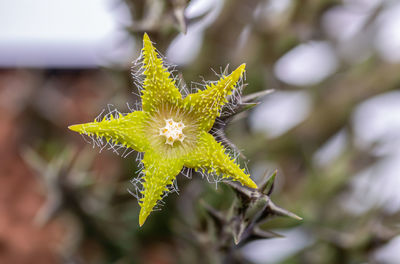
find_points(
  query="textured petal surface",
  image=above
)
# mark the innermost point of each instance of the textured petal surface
(207, 104)
(159, 87)
(158, 174)
(127, 130)
(210, 155)
(141, 130)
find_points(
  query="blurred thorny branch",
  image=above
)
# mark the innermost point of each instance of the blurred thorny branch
(70, 187)
(67, 188)
(318, 193)
(103, 214)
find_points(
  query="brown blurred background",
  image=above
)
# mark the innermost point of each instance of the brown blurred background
(331, 128)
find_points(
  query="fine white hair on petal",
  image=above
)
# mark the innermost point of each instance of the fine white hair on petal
(137, 73)
(101, 142)
(234, 100)
(137, 189)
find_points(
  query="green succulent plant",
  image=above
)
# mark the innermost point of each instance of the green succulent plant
(172, 131)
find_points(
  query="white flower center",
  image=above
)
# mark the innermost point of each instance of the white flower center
(172, 131)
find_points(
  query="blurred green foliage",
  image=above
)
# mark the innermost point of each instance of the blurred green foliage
(88, 192)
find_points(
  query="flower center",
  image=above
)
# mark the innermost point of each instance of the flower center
(172, 131)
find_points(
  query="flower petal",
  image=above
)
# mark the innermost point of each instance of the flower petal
(210, 155)
(127, 130)
(207, 104)
(158, 174)
(159, 87)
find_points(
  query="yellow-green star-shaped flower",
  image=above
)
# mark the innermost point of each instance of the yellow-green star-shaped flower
(171, 131)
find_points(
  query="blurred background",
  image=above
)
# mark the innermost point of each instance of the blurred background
(331, 128)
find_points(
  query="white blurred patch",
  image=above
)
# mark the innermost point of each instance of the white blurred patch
(342, 23)
(331, 149)
(307, 64)
(186, 47)
(276, 250)
(377, 121)
(271, 14)
(376, 125)
(243, 39)
(280, 112)
(348, 25)
(389, 253)
(376, 186)
(276, 7)
(387, 41)
(56, 33)
(198, 8)
(363, 5)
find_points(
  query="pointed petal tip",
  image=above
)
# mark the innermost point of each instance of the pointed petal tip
(252, 184)
(240, 69)
(142, 217)
(75, 128)
(147, 42)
